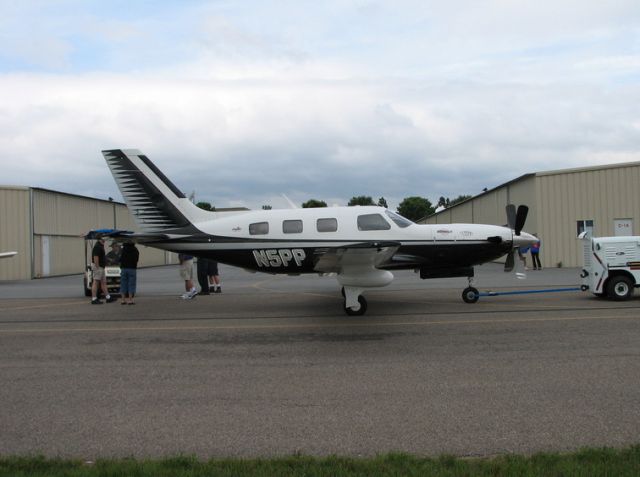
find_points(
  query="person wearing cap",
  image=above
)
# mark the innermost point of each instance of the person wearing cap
(98, 261)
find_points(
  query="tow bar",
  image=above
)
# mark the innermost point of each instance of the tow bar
(528, 292)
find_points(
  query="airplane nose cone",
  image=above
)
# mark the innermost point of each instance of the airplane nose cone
(524, 239)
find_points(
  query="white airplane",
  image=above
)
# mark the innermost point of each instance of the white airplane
(360, 245)
(7, 254)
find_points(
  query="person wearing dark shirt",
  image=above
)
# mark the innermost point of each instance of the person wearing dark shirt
(128, 272)
(98, 261)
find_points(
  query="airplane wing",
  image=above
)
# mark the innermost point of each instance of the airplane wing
(358, 257)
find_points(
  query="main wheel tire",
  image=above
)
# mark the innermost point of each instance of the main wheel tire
(360, 311)
(470, 295)
(620, 288)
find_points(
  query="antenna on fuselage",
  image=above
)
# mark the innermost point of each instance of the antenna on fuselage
(291, 203)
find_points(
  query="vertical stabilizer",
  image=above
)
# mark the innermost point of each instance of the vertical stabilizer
(155, 203)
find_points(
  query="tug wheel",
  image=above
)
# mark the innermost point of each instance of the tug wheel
(620, 288)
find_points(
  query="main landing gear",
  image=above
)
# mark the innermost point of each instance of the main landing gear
(360, 311)
(470, 294)
(356, 280)
(350, 305)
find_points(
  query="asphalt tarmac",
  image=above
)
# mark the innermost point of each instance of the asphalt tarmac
(272, 366)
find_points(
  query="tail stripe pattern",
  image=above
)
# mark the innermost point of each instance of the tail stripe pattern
(152, 211)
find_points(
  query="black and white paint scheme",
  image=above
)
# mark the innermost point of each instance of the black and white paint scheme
(361, 246)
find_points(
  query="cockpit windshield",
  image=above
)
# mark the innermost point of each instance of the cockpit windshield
(399, 220)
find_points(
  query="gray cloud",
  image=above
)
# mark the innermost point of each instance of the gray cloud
(394, 100)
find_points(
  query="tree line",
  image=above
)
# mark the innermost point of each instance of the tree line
(413, 208)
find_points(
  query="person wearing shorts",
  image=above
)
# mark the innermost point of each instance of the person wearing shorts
(214, 277)
(99, 278)
(186, 273)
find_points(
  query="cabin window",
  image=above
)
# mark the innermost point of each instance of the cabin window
(399, 220)
(292, 226)
(372, 222)
(327, 225)
(259, 228)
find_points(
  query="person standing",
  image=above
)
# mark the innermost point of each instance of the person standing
(522, 254)
(98, 261)
(128, 272)
(186, 273)
(214, 277)
(535, 254)
(113, 257)
(202, 268)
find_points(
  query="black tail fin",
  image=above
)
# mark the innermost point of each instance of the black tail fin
(155, 203)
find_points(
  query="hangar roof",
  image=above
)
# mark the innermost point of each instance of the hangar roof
(540, 174)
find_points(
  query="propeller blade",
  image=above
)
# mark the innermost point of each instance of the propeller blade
(511, 216)
(509, 263)
(521, 218)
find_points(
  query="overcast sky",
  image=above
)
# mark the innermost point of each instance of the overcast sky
(242, 101)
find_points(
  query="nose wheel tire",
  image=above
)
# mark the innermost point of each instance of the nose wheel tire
(360, 311)
(470, 295)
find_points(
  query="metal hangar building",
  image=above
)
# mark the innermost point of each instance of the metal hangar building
(47, 230)
(604, 200)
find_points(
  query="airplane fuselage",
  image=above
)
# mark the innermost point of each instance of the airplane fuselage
(294, 241)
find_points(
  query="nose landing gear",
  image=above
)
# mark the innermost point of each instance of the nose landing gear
(470, 294)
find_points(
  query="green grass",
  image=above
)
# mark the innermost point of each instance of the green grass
(587, 462)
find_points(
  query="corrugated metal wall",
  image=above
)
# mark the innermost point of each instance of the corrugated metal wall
(15, 233)
(602, 195)
(59, 223)
(557, 200)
